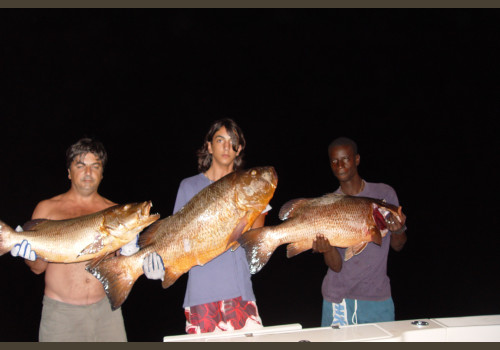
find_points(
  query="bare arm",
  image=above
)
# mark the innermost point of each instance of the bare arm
(38, 266)
(398, 240)
(331, 255)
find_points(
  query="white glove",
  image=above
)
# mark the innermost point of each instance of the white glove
(131, 247)
(24, 251)
(153, 267)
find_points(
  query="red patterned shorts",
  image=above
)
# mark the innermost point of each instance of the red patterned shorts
(224, 315)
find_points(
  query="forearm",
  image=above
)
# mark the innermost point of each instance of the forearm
(333, 259)
(38, 266)
(398, 241)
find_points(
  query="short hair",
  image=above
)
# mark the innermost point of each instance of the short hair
(237, 139)
(344, 141)
(84, 146)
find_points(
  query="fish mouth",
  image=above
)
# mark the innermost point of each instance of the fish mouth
(146, 210)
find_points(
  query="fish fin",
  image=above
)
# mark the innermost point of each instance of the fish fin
(149, 235)
(298, 247)
(94, 262)
(94, 247)
(32, 224)
(287, 210)
(5, 232)
(376, 235)
(233, 246)
(115, 276)
(354, 250)
(257, 248)
(170, 278)
(238, 230)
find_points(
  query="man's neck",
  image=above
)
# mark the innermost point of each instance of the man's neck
(353, 186)
(82, 198)
(214, 173)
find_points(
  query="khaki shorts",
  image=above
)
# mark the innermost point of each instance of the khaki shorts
(63, 322)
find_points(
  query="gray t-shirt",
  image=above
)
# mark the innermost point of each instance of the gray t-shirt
(364, 276)
(226, 276)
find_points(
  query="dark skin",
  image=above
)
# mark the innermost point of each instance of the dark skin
(344, 164)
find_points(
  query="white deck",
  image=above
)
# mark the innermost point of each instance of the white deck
(455, 329)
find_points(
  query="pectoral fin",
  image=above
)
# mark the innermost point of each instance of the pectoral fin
(94, 247)
(354, 250)
(376, 235)
(94, 262)
(238, 231)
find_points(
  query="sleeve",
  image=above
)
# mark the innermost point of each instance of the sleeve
(182, 197)
(391, 196)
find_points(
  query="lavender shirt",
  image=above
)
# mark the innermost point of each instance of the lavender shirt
(226, 276)
(364, 276)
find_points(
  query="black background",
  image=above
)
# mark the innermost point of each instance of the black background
(417, 89)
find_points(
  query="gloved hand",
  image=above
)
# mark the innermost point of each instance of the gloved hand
(23, 249)
(153, 267)
(131, 247)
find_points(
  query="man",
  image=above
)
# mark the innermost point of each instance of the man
(75, 307)
(219, 295)
(358, 290)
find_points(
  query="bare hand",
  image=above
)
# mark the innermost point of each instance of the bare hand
(393, 224)
(321, 244)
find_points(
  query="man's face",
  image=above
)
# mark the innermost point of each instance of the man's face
(344, 162)
(221, 148)
(85, 173)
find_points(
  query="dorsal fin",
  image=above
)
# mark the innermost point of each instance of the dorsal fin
(30, 225)
(289, 207)
(149, 235)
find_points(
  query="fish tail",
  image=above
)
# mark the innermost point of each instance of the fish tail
(5, 232)
(116, 278)
(257, 247)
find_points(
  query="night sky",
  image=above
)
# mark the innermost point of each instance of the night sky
(417, 89)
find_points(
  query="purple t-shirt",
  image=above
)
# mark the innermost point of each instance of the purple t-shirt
(226, 276)
(364, 276)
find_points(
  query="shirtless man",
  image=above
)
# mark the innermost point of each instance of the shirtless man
(75, 307)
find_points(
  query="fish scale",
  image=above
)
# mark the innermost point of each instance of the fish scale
(346, 221)
(83, 238)
(209, 224)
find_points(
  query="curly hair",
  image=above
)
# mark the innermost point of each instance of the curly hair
(237, 139)
(84, 146)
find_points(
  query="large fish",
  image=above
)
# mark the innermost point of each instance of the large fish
(208, 225)
(347, 221)
(83, 238)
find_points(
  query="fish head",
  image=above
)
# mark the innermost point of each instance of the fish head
(127, 220)
(255, 187)
(385, 210)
